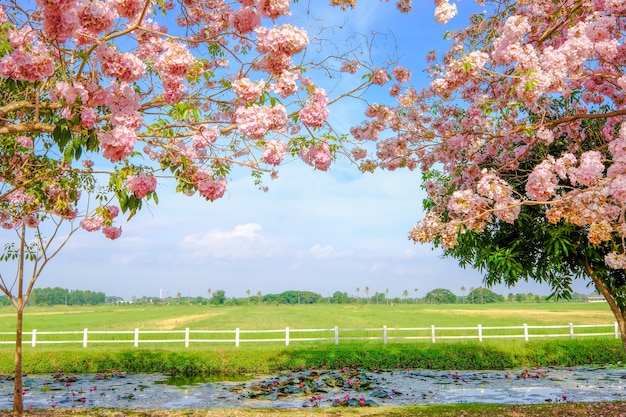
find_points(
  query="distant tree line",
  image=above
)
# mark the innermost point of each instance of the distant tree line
(63, 296)
(292, 297)
(480, 295)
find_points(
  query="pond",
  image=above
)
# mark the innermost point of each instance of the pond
(322, 388)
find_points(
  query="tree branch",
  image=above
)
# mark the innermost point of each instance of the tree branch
(26, 127)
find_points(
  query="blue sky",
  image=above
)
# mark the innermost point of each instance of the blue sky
(321, 232)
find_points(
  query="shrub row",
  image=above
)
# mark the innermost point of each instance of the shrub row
(232, 362)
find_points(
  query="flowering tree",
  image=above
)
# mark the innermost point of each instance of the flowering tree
(100, 102)
(521, 128)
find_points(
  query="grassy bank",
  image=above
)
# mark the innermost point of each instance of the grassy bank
(232, 362)
(616, 409)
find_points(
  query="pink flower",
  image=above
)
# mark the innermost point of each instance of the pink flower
(209, 187)
(91, 224)
(274, 8)
(87, 117)
(33, 65)
(175, 60)
(128, 8)
(316, 113)
(245, 20)
(444, 11)
(30, 221)
(274, 152)
(22, 37)
(281, 40)
(113, 211)
(122, 66)
(350, 66)
(286, 84)
(401, 74)
(25, 141)
(141, 184)
(112, 232)
(380, 76)
(118, 143)
(247, 90)
(317, 156)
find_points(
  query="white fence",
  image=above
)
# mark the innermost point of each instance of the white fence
(237, 337)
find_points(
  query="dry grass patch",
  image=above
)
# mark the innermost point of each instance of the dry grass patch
(545, 316)
(175, 322)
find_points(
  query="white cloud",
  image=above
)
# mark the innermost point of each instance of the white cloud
(324, 252)
(244, 241)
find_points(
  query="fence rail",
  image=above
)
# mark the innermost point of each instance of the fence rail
(287, 335)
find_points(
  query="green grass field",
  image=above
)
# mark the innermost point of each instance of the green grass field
(260, 317)
(225, 359)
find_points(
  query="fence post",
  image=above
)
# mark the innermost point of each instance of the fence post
(616, 326)
(571, 330)
(33, 340)
(186, 337)
(85, 338)
(287, 336)
(336, 335)
(480, 332)
(432, 333)
(237, 337)
(525, 332)
(136, 337)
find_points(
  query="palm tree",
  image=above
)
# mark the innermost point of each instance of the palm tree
(376, 296)
(472, 292)
(416, 295)
(387, 295)
(367, 294)
(463, 289)
(405, 294)
(358, 298)
(209, 291)
(248, 292)
(258, 294)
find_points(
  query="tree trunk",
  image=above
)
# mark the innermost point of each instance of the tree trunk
(617, 311)
(18, 399)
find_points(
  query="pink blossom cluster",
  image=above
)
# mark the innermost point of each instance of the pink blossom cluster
(245, 20)
(117, 143)
(103, 219)
(125, 67)
(273, 8)
(172, 65)
(350, 66)
(141, 184)
(255, 121)
(316, 112)
(401, 74)
(124, 104)
(247, 90)
(208, 186)
(380, 76)
(95, 17)
(280, 43)
(207, 136)
(444, 11)
(274, 152)
(318, 156)
(286, 84)
(28, 63)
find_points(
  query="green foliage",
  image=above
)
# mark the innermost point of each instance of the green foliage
(440, 296)
(233, 362)
(58, 296)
